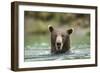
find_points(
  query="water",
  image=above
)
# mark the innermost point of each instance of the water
(37, 48)
(42, 53)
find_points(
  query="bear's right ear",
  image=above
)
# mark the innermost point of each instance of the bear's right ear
(50, 28)
(69, 31)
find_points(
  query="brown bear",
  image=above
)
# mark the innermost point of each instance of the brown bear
(60, 40)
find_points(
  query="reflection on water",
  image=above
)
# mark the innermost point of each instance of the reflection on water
(42, 53)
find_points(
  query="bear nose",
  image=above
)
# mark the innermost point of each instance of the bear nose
(58, 44)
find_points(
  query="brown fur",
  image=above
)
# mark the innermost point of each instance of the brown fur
(65, 37)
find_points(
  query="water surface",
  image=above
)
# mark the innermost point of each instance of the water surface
(38, 54)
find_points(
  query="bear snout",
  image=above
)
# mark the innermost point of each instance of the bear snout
(58, 44)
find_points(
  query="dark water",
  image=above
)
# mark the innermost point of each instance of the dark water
(43, 53)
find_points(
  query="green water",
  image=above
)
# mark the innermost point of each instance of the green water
(37, 48)
(36, 40)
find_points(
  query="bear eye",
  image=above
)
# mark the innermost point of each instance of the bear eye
(62, 35)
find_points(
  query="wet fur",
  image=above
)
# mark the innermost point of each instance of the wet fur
(66, 40)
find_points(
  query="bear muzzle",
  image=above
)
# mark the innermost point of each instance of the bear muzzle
(59, 46)
(59, 43)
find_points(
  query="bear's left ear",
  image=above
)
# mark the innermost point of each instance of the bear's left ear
(50, 28)
(69, 31)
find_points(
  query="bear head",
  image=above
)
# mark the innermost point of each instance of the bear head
(60, 39)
